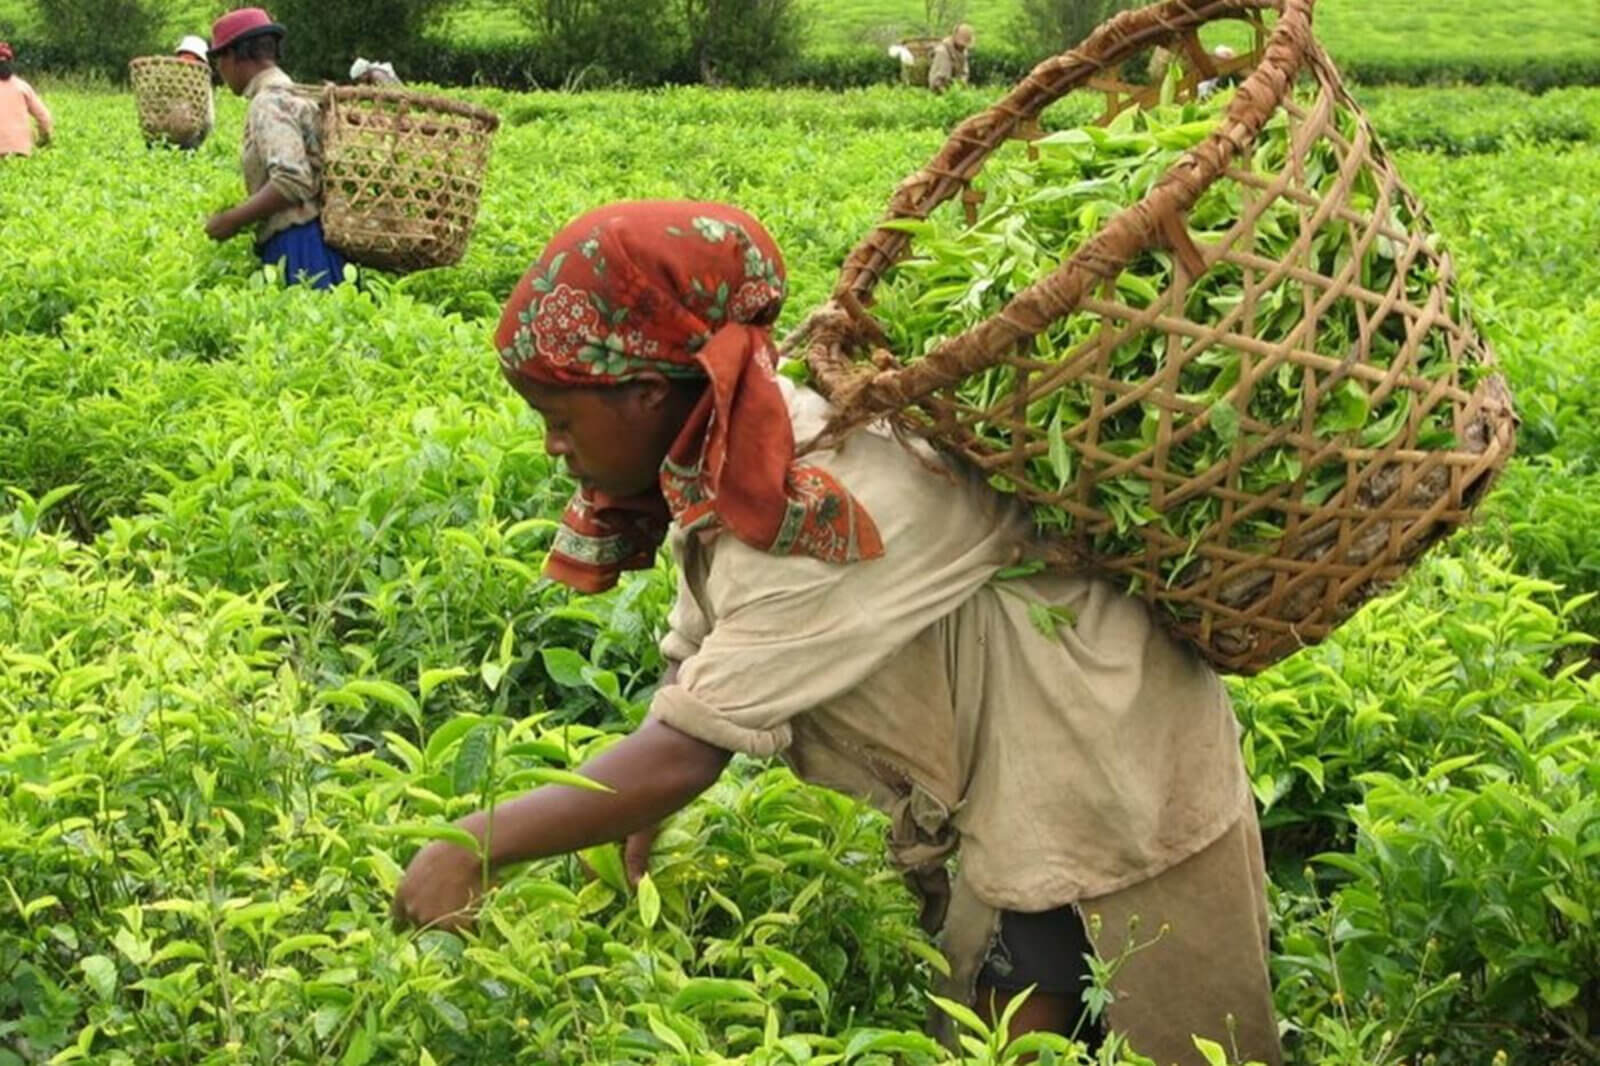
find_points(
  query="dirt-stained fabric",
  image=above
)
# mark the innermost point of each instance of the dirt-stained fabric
(1189, 949)
(948, 64)
(282, 148)
(1044, 727)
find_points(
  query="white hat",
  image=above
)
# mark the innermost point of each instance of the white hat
(359, 67)
(193, 45)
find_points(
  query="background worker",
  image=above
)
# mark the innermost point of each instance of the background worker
(949, 63)
(20, 110)
(369, 72)
(193, 50)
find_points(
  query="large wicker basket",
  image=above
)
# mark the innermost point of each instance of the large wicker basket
(402, 176)
(173, 98)
(921, 49)
(1243, 609)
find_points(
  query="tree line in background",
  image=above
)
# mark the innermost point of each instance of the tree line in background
(575, 42)
(596, 43)
(100, 36)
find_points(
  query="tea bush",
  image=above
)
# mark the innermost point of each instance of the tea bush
(271, 614)
(199, 865)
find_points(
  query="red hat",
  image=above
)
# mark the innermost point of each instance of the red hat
(241, 25)
(6, 52)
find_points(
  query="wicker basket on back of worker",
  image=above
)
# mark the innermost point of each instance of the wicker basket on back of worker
(173, 98)
(1243, 608)
(921, 49)
(402, 175)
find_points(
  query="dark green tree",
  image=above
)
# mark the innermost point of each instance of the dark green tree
(1049, 26)
(325, 35)
(742, 41)
(99, 36)
(603, 41)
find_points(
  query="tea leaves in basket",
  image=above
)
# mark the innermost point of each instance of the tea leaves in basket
(1042, 204)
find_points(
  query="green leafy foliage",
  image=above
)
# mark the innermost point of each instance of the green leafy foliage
(324, 38)
(1042, 207)
(270, 618)
(1537, 45)
(99, 35)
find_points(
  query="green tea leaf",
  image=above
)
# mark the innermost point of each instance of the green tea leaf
(564, 666)
(472, 758)
(454, 834)
(649, 902)
(606, 862)
(101, 973)
(1224, 420)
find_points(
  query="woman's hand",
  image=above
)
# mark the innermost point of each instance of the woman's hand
(636, 853)
(440, 888)
(263, 203)
(646, 775)
(222, 226)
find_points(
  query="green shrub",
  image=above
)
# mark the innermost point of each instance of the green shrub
(325, 37)
(1050, 26)
(1439, 734)
(741, 41)
(1478, 120)
(98, 35)
(1535, 73)
(605, 42)
(1545, 512)
(198, 859)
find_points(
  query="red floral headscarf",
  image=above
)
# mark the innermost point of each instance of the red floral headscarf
(685, 290)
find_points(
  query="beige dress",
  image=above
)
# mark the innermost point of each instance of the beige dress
(948, 64)
(1095, 764)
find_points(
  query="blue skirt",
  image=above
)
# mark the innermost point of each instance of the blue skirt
(304, 256)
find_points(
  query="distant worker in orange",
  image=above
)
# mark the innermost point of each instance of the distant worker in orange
(20, 110)
(950, 59)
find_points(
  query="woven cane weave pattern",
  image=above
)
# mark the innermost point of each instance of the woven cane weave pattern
(403, 173)
(173, 97)
(1363, 504)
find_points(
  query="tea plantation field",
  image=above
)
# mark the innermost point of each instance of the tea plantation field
(270, 615)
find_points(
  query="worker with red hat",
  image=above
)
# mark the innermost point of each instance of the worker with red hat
(282, 154)
(20, 110)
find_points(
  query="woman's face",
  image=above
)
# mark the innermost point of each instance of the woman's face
(612, 439)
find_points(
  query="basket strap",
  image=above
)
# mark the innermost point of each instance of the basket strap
(862, 393)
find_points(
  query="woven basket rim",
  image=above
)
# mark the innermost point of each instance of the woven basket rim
(370, 234)
(342, 94)
(1250, 608)
(861, 394)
